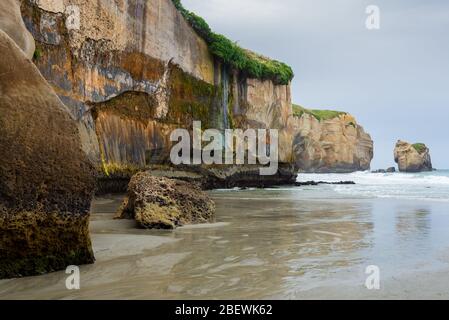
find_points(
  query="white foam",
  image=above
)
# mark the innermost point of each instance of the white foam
(368, 178)
(418, 186)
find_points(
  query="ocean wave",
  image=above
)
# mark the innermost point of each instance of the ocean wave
(368, 178)
(413, 186)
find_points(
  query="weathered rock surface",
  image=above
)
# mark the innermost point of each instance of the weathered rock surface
(333, 145)
(133, 71)
(162, 203)
(12, 24)
(227, 176)
(46, 181)
(412, 157)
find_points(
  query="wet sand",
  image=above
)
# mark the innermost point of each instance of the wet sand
(279, 244)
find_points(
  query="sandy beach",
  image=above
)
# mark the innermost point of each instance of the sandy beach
(297, 248)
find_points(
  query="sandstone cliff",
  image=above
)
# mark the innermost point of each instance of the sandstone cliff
(330, 141)
(116, 77)
(412, 157)
(46, 181)
(132, 71)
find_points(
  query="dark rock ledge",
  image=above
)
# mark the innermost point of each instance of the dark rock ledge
(316, 183)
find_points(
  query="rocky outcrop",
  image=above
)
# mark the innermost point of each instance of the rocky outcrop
(225, 176)
(46, 181)
(162, 203)
(317, 183)
(412, 157)
(337, 144)
(388, 170)
(132, 71)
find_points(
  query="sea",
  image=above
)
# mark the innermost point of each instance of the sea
(412, 186)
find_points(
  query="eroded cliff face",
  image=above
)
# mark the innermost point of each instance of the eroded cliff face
(412, 157)
(132, 71)
(333, 145)
(46, 181)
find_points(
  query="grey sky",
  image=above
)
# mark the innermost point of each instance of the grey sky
(394, 80)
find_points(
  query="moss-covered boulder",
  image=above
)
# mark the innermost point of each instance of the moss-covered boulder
(162, 203)
(46, 181)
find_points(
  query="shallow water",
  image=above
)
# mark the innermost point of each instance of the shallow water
(290, 243)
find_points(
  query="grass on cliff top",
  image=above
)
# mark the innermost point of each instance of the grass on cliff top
(250, 63)
(420, 147)
(320, 115)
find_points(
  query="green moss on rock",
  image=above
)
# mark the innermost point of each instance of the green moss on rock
(191, 99)
(320, 115)
(37, 242)
(248, 62)
(37, 54)
(420, 147)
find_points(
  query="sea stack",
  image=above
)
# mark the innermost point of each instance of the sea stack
(412, 157)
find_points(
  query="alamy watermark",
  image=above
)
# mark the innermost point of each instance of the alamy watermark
(372, 282)
(234, 146)
(373, 20)
(72, 282)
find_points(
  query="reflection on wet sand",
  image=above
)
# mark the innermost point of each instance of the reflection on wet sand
(413, 224)
(264, 244)
(255, 250)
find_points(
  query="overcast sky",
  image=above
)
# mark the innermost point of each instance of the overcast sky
(394, 80)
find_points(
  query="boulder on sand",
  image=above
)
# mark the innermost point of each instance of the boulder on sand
(162, 203)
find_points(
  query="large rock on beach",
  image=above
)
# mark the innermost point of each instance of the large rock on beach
(46, 181)
(162, 203)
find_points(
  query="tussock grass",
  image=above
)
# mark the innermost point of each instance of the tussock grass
(248, 62)
(420, 147)
(320, 115)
